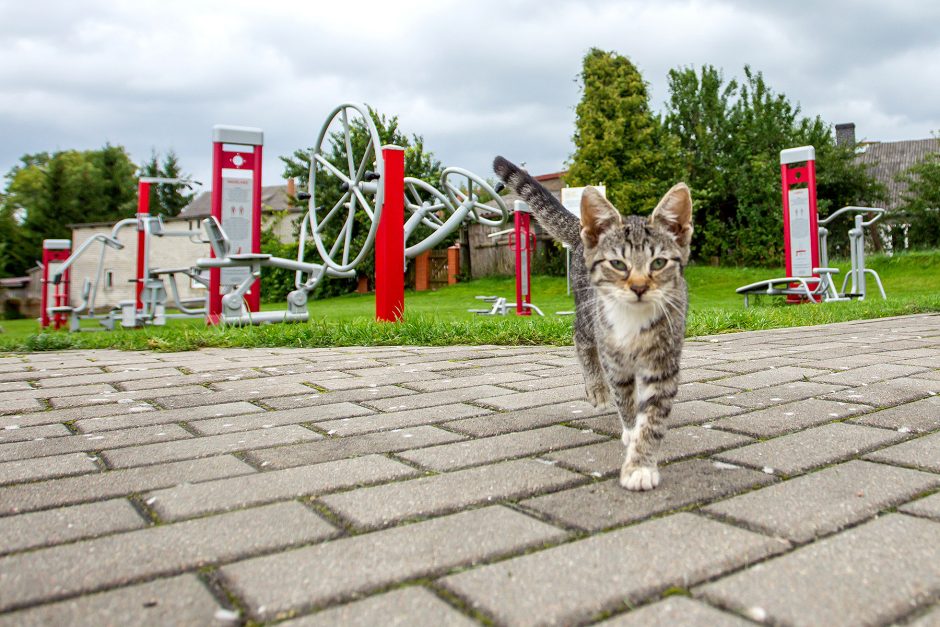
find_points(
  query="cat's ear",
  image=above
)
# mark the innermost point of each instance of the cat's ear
(674, 213)
(597, 216)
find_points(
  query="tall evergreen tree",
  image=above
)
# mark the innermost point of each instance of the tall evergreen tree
(173, 198)
(618, 141)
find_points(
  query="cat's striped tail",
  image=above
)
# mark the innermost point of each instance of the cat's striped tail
(551, 214)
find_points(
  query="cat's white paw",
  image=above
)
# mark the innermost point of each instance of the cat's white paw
(597, 395)
(638, 478)
(625, 437)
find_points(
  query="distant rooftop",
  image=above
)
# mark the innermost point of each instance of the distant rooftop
(886, 160)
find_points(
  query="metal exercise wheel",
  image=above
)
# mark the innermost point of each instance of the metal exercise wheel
(336, 162)
(462, 187)
(428, 206)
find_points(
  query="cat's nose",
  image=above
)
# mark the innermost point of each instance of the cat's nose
(639, 289)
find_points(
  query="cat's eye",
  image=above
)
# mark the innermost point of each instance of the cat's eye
(658, 264)
(616, 264)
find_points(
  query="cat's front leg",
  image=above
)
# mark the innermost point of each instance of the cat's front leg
(595, 385)
(654, 402)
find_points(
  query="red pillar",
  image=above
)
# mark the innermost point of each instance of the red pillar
(523, 262)
(390, 239)
(143, 208)
(54, 251)
(253, 297)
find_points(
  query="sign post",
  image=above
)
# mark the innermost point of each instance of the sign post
(800, 227)
(236, 204)
(54, 253)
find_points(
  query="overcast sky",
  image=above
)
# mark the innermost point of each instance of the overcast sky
(475, 78)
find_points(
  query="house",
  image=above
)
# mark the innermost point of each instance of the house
(16, 301)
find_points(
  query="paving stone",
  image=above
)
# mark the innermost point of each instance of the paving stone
(869, 374)
(532, 418)
(920, 453)
(303, 578)
(70, 490)
(522, 400)
(606, 458)
(676, 610)
(277, 379)
(872, 574)
(29, 419)
(330, 449)
(361, 380)
(189, 500)
(407, 607)
(400, 419)
(928, 507)
(93, 441)
(431, 399)
(64, 524)
(573, 582)
(46, 468)
(804, 450)
(40, 432)
(14, 405)
(146, 416)
(696, 375)
(755, 365)
(606, 504)
(52, 573)
(355, 395)
(107, 377)
(784, 393)
(826, 501)
(919, 416)
(383, 505)
(545, 382)
(181, 600)
(772, 376)
(701, 391)
(268, 419)
(56, 393)
(485, 450)
(207, 445)
(100, 398)
(781, 419)
(888, 393)
(931, 618)
(682, 414)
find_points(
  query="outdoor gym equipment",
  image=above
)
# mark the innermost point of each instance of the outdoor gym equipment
(352, 175)
(809, 279)
(150, 294)
(522, 242)
(55, 295)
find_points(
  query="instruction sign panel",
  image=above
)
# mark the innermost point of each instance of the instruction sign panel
(571, 197)
(801, 243)
(237, 224)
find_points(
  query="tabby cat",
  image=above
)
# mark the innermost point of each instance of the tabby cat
(630, 306)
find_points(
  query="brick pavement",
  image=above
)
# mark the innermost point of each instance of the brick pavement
(469, 485)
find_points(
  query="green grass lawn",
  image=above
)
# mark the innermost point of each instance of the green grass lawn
(911, 280)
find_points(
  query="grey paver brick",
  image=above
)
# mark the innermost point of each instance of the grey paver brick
(338, 570)
(188, 500)
(64, 524)
(532, 418)
(801, 451)
(70, 490)
(46, 467)
(919, 416)
(781, 419)
(74, 413)
(772, 376)
(181, 600)
(93, 441)
(571, 583)
(928, 507)
(365, 378)
(407, 607)
(268, 419)
(431, 399)
(546, 381)
(674, 611)
(106, 377)
(485, 450)
(400, 419)
(777, 394)
(888, 393)
(682, 414)
(383, 505)
(354, 395)
(95, 399)
(606, 504)
(39, 432)
(14, 405)
(867, 575)
(57, 572)
(699, 390)
(869, 374)
(930, 618)
(145, 416)
(330, 449)
(522, 400)
(259, 392)
(208, 445)
(825, 501)
(56, 393)
(922, 453)
(605, 458)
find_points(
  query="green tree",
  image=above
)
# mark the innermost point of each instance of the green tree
(173, 198)
(618, 141)
(921, 202)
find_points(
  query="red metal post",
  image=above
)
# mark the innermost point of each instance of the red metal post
(523, 262)
(800, 221)
(143, 209)
(215, 203)
(253, 297)
(390, 239)
(54, 251)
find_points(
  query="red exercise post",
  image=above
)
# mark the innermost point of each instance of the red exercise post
(390, 240)
(143, 209)
(54, 252)
(523, 245)
(800, 228)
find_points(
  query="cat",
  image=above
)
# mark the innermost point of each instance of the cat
(631, 301)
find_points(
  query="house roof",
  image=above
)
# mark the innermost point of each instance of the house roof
(886, 160)
(273, 198)
(14, 282)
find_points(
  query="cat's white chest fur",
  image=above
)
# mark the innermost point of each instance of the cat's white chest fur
(628, 320)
